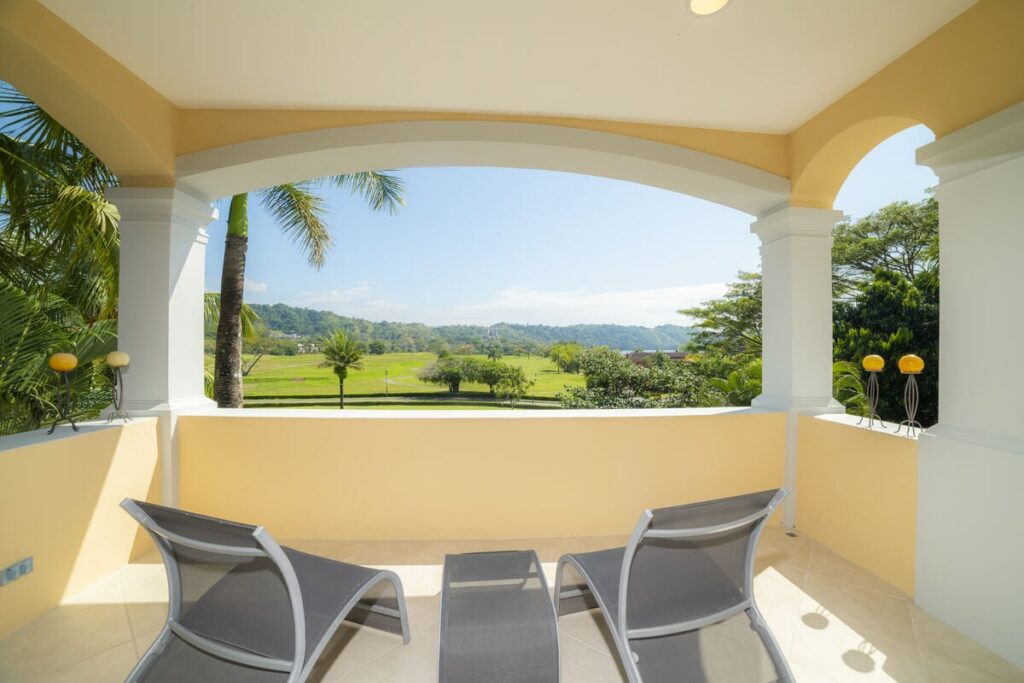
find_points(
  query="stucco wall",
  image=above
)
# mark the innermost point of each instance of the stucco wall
(448, 475)
(59, 500)
(857, 494)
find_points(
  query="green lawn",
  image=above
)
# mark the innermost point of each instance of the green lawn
(280, 376)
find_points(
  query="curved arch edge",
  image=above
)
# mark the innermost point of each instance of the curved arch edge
(236, 168)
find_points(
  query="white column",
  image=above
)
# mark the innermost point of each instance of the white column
(970, 547)
(796, 272)
(160, 307)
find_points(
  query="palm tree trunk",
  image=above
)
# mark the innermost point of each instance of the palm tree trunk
(227, 370)
(341, 393)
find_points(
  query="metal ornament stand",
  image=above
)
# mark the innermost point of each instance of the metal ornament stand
(63, 403)
(911, 399)
(117, 388)
(872, 412)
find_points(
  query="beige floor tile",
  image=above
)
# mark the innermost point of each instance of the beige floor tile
(106, 591)
(861, 609)
(726, 659)
(804, 675)
(144, 583)
(778, 549)
(942, 670)
(60, 638)
(779, 593)
(827, 563)
(830, 648)
(111, 666)
(582, 664)
(589, 628)
(412, 663)
(353, 647)
(942, 644)
(146, 619)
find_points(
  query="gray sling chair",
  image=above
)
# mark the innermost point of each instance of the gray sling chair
(241, 608)
(684, 568)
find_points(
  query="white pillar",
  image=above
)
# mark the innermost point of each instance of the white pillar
(796, 272)
(970, 547)
(160, 307)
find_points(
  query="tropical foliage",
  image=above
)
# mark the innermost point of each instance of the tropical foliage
(730, 325)
(341, 354)
(614, 381)
(58, 265)
(886, 302)
(502, 379)
(566, 356)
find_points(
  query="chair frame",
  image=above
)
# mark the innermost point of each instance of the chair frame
(621, 633)
(298, 668)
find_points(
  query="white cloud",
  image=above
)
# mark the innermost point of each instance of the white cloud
(337, 296)
(355, 301)
(254, 286)
(648, 307)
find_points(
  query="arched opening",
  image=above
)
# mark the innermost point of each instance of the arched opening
(886, 271)
(819, 180)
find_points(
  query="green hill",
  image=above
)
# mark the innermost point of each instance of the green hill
(307, 323)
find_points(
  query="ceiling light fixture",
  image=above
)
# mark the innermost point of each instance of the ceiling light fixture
(703, 8)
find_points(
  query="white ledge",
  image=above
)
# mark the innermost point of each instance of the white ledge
(853, 420)
(63, 431)
(524, 414)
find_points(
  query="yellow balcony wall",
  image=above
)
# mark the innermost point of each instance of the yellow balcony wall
(59, 500)
(461, 475)
(857, 494)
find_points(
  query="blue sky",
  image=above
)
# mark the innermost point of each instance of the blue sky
(486, 245)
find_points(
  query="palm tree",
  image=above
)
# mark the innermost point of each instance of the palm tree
(299, 211)
(341, 353)
(58, 235)
(58, 265)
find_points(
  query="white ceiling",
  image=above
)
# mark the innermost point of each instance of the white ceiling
(759, 65)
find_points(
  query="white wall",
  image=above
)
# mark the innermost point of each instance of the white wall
(970, 544)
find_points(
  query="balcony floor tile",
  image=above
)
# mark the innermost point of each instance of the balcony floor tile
(835, 621)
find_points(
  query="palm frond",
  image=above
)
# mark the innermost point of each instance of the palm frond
(27, 121)
(300, 213)
(381, 190)
(252, 324)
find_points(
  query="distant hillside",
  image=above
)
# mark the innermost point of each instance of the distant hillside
(305, 322)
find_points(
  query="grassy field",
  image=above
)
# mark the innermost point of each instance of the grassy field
(283, 378)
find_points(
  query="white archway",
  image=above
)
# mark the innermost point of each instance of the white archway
(228, 170)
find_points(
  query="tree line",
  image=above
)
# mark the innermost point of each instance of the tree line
(510, 338)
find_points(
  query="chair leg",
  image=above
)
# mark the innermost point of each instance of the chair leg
(782, 671)
(571, 600)
(558, 587)
(371, 614)
(403, 610)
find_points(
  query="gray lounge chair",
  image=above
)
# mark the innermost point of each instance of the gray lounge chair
(684, 568)
(497, 621)
(244, 609)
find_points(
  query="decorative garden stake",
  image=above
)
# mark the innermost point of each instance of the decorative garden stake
(911, 366)
(117, 360)
(874, 365)
(62, 364)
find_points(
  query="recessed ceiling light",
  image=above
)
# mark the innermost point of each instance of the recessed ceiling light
(706, 7)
